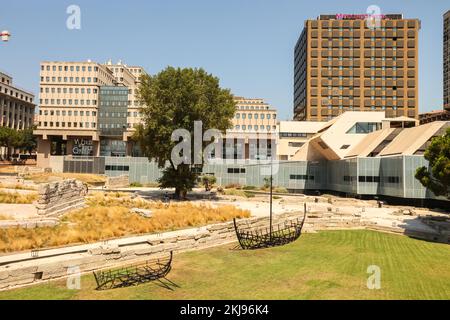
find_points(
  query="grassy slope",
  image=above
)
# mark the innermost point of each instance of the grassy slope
(328, 265)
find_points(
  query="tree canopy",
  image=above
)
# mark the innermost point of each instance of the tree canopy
(438, 155)
(19, 139)
(174, 99)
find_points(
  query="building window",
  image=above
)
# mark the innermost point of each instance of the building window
(301, 177)
(236, 170)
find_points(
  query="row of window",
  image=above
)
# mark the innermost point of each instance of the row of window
(70, 79)
(68, 112)
(376, 68)
(119, 114)
(373, 179)
(382, 97)
(236, 170)
(15, 106)
(301, 177)
(58, 124)
(117, 168)
(255, 116)
(252, 108)
(132, 70)
(113, 126)
(255, 127)
(293, 135)
(16, 94)
(120, 103)
(76, 102)
(67, 68)
(68, 90)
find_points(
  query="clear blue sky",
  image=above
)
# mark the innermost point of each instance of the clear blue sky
(248, 44)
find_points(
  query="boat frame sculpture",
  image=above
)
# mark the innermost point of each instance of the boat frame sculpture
(284, 233)
(135, 274)
(265, 238)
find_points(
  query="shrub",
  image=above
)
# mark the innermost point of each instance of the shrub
(208, 180)
(249, 188)
(233, 186)
(136, 185)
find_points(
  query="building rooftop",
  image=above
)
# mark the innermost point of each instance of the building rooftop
(301, 126)
(412, 139)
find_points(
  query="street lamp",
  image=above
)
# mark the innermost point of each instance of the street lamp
(5, 35)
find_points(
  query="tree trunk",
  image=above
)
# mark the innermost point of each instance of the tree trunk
(177, 193)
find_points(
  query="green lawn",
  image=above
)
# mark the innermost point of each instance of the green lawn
(327, 265)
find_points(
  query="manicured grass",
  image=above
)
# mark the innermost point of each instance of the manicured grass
(327, 265)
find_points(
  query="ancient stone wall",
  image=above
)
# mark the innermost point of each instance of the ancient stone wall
(117, 182)
(35, 267)
(58, 197)
(29, 223)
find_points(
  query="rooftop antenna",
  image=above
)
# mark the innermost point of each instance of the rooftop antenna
(5, 35)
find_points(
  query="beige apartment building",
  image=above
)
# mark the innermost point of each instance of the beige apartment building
(447, 61)
(86, 109)
(16, 105)
(253, 134)
(343, 63)
(254, 115)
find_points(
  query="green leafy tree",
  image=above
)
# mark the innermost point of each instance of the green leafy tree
(25, 140)
(174, 99)
(9, 138)
(438, 156)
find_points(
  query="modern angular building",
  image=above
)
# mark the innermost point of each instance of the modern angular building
(447, 61)
(86, 109)
(292, 135)
(343, 63)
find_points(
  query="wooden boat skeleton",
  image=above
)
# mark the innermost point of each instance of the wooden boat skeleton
(151, 270)
(282, 234)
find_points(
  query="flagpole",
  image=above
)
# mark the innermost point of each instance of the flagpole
(271, 188)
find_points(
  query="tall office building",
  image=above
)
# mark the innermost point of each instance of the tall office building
(447, 61)
(86, 109)
(343, 63)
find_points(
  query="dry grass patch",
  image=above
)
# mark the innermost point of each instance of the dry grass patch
(5, 217)
(122, 199)
(16, 186)
(17, 198)
(105, 222)
(238, 193)
(91, 179)
(7, 169)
